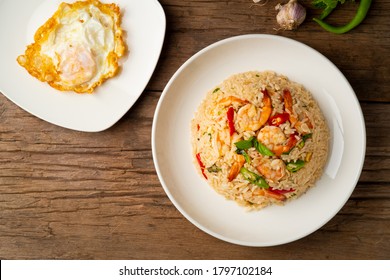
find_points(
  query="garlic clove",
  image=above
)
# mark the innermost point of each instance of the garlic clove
(290, 15)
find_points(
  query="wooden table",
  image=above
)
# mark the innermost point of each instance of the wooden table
(74, 195)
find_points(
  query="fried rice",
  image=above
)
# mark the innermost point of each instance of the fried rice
(259, 139)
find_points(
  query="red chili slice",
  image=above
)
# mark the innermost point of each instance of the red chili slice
(281, 191)
(279, 119)
(202, 166)
(230, 118)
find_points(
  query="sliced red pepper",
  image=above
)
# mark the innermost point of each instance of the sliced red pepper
(281, 191)
(202, 166)
(279, 119)
(230, 118)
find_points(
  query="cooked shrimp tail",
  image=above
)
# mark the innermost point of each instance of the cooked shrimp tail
(229, 100)
(281, 149)
(303, 127)
(266, 110)
(269, 193)
(235, 169)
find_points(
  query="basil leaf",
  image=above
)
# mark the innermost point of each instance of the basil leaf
(307, 136)
(295, 166)
(214, 169)
(262, 149)
(245, 144)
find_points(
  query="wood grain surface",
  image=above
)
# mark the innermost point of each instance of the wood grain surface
(74, 195)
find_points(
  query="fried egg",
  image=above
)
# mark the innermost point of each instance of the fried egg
(78, 48)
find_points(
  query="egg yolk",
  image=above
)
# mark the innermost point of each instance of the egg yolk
(77, 65)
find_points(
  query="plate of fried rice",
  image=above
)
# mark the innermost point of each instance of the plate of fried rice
(258, 140)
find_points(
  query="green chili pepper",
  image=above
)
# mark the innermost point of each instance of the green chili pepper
(304, 138)
(262, 149)
(326, 12)
(301, 144)
(361, 13)
(327, 6)
(254, 178)
(295, 166)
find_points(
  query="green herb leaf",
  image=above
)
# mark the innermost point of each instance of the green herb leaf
(327, 6)
(295, 166)
(307, 136)
(215, 90)
(245, 144)
(214, 169)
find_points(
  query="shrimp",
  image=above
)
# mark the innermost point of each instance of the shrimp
(267, 108)
(275, 140)
(248, 118)
(288, 104)
(229, 100)
(281, 149)
(223, 141)
(235, 169)
(268, 193)
(272, 169)
(302, 127)
(251, 118)
(271, 136)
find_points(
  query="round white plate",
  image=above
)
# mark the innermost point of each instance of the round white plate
(190, 193)
(144, 23)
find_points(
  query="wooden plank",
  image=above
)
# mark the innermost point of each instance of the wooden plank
(74, 195)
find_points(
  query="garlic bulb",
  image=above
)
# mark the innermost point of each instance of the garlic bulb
(290, 15)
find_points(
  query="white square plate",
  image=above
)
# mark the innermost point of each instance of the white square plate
(144, 24)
